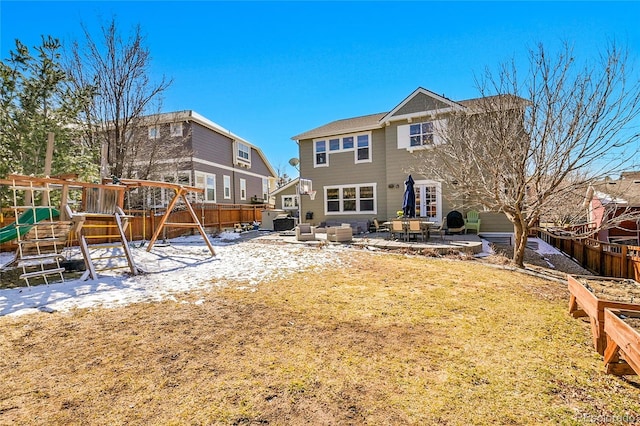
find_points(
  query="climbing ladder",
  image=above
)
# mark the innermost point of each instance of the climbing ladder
(41, 238)
(105, 256)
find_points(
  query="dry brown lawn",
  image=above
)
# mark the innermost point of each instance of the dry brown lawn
(389, 340)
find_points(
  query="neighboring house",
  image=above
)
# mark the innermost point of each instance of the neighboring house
(358, 166)
(286, 197)
(612, 198)
(192, 150)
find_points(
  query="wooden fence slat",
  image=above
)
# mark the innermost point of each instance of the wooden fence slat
(605, 259)
(143, 224)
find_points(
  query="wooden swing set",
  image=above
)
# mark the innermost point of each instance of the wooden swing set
(43, 233)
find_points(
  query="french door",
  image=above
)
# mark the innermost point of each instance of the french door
(428, 200)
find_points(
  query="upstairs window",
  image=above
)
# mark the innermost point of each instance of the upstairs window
(154, 132)
(321, 153)
(244, 152)
(359, 144)
(362, 154)
(421, 134)
(347, 143)
(175, 129)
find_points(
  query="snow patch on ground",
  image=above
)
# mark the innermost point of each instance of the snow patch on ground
(183, 266)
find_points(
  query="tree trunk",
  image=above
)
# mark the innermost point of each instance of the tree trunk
(519, 243)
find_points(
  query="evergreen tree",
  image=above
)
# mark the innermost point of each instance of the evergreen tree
(36, 99)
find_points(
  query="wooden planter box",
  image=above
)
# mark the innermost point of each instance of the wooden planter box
(583, 302)
(622, 328)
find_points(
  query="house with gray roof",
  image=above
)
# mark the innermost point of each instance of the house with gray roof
(612, 199)
(358, 165)
(192, 150)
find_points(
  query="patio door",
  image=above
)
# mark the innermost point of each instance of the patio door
(429, 200)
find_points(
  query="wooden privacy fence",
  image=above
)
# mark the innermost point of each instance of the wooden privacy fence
(214, 218)
(610, 260)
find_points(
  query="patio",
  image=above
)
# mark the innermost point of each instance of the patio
(469, 243)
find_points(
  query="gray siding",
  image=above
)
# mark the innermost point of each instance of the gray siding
(258, 165)
(342, 170)
(419, 103)
(211, 146)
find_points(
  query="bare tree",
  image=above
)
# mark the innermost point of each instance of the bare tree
(527, 146)
(118, 71)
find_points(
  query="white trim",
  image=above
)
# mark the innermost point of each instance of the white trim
(240, 159)
(341, 199)
(369, 147)
(226, 185)
(243, 189)
(341, 137)
(176, 129)
(391, 117)
(315, 153)
(203, 185)
(222, 166)
(285, 187)
(418, 185)
(153, 132)
(296, 201)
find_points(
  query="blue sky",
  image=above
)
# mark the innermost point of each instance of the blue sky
(270, 70)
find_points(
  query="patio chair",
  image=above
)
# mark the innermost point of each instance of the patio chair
(305, 232)
(398, 228)
(415, 228)
(472, 221)
(378, 227)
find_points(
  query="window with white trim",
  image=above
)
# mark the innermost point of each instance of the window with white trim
(363, 151)
(265, 190)
(175, 129)
(355, 199)
(290, 202)
(428, 200)
(243, 189)
(244, 152)
(421, 135)
(226, 180)
(154, 132)
(320, 151)
(207, 182)
(360, 144)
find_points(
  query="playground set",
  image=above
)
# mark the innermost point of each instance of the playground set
(42, 231)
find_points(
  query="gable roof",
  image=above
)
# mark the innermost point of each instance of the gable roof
(414, 105)
(419, 102)
(285, 187)
(347, 125)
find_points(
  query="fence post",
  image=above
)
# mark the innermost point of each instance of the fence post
(624, 270)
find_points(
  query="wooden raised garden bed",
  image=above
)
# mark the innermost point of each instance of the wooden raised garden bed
(590, 296)
(622, 329)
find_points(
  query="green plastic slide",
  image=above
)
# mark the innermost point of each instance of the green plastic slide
(24, 222)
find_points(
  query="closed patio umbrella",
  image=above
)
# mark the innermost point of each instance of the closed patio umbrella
(409, 201)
